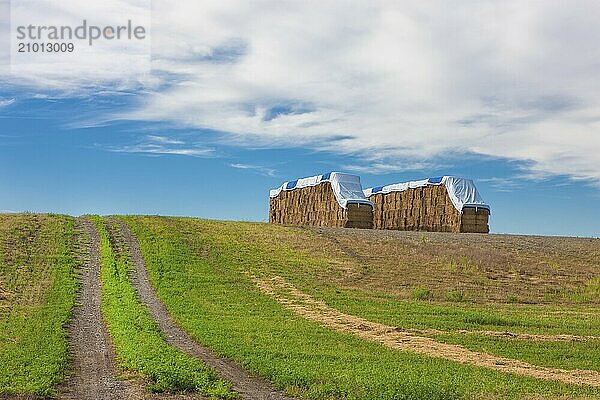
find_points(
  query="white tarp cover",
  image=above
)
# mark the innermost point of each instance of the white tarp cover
(346, 187)
(462, 192)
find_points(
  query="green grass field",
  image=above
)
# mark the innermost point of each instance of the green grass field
(206, 272)
(201, 272)
(37, 291)
(140, 345)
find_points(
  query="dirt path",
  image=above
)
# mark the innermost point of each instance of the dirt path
(247, 385)
(315, 310)
(93, 374)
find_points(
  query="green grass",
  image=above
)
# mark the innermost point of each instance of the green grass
(311, 277)
(455, 296)
(37, 291)
(587, 293)
(199, 269)
(412, 314)
(139, 343)
(511, 298)
(420, 293)
(515, 318)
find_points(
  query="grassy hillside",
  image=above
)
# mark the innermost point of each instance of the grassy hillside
(467, 290)
(438, 284)
(37, 291)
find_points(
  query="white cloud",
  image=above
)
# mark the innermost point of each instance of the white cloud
(504, 184)
(258, 168)
(383, 168)
(6, 102)
(159, 145)
(387, 81)
(164, 139)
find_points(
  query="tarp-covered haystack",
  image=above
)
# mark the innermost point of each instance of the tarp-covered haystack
(444, 204)
(333, 199)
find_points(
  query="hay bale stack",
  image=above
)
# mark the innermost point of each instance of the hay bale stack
(420, 209)
(475, 220)
(358, 216)
(427, 207)
(318, 206)
(377, 200)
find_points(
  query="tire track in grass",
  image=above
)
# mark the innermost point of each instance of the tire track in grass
(93, 372)
(248, 386)
(389, 336)
(141, 346)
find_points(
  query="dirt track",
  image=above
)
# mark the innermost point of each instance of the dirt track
(93, 374)
(315, 310)
(247, 385)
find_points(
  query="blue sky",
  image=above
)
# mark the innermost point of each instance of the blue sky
(241, 98)
(46, 165)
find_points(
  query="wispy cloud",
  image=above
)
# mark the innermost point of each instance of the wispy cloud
(161, 145)
(544, 181)
(378, 168)
(440, 89)
(155, 149)
(258, 168)
(164, 139)
(6, 102)
(504, 184)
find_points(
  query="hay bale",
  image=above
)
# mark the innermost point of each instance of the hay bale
(317, 206)
(426, 208)
(475, 220)
(426, 205)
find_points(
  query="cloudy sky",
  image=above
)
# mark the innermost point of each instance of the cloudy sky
(226, 99)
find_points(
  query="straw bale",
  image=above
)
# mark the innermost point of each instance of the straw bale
(426, 209)
(317, 206)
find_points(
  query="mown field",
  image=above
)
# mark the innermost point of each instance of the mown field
(440, 285)
(37, 293)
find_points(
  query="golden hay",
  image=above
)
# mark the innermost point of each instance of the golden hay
(317, 206)
(426, 208)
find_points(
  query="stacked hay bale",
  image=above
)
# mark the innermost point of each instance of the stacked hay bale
(475, 220)
(316, 204)
(428, 206)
